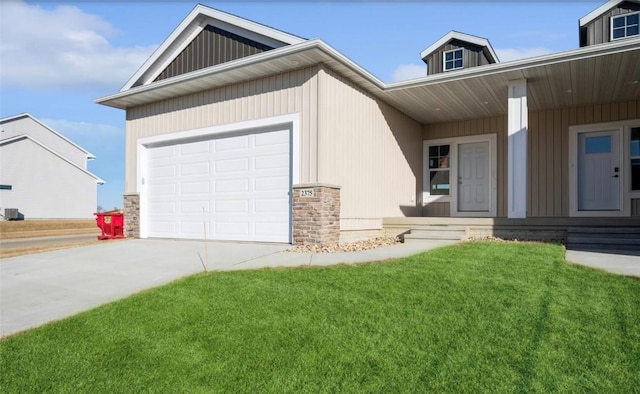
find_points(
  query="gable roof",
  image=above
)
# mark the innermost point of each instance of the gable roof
(13, 118)
(16, 138)
(606, 7)
(472, 92)
(191, 26)
(456, 35)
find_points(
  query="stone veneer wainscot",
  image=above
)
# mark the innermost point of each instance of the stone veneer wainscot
(316, 214)
(132, 215)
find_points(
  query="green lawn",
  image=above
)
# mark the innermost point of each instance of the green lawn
(474, 317)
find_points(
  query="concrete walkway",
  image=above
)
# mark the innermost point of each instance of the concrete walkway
(44, 287)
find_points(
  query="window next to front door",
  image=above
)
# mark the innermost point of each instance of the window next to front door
(635, 158)
(439, 183)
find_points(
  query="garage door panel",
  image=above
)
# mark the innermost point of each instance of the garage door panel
(194, 206)
(238, 186)
(268, 162)
(232, 206)
(232, 185)
(231, 143)
(163, 189)
(197, 168)
(268, 205)
(232, 165)
(271, 183)
(187, 188)
(194, 148)
(274, 138)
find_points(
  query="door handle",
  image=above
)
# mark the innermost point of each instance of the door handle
(615, 176)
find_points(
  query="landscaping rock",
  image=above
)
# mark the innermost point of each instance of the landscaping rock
(346, 247)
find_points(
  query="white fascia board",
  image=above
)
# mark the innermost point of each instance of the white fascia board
(601, 10)
(246, 62)
(8, 141)
(192, 25)
(456, 35)
(8, 119)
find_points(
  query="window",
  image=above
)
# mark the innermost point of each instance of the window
(453, 59)
(439, 170)
(635, 158)
(6, 187)
(624, 26)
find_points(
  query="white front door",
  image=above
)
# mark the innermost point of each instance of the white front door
(474, 183)
(599, 171)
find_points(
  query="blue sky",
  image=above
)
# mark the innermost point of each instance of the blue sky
(56, 57)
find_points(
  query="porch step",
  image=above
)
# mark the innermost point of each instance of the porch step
(453, 233)
(604, 238)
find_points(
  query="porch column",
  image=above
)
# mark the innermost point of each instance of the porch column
(517, 125)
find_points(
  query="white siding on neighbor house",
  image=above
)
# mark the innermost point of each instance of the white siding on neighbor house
(54, 141)
(287, 93)
(44, 185)
(371, 150)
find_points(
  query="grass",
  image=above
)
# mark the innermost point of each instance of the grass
(474, 317)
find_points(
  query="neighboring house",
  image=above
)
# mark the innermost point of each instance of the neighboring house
(266, 136)
(42, 174)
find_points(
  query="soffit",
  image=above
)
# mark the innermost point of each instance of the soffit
(591, 75)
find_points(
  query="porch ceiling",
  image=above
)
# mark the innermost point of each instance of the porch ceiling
(588, 80)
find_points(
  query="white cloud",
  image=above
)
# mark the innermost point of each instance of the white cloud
(408, 71)
(508, 54)
(62, 47)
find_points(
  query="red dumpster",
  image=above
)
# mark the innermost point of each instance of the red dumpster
(111, 223)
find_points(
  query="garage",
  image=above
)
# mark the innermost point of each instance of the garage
(232, 185)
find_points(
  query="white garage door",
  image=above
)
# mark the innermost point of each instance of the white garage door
(234, 187)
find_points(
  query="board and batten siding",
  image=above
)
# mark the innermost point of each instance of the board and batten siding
(212, 46)
(492, 125)
(548, 160)
(371, 150)
(287, 93)
(598, 31)
(473, 55)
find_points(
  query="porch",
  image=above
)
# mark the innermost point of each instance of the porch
(578, 233)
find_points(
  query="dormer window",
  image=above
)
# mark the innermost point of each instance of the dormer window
(623, 26)
(453, 59)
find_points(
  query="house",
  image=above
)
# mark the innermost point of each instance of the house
(265, 136)
(43, 175)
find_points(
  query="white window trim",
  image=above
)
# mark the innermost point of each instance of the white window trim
(624, 128)
(444, 59)
(453, 173)
(611, 26)
(143, 144)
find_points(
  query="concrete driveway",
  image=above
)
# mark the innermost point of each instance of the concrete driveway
(39, 288)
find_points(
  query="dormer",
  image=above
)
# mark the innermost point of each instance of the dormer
(456, 51)
(205, 38)
(614, 20)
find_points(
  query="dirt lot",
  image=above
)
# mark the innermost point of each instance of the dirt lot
(20, 229)
(12, 229)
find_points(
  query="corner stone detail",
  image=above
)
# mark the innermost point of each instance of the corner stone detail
(132, 215)
(316, 214)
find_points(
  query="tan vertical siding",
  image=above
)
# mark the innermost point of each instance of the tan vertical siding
(436, 209)
(370, 149)
(548, 159)
(494, 125)
(635, 207)
(549, 151)
(287, 93)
